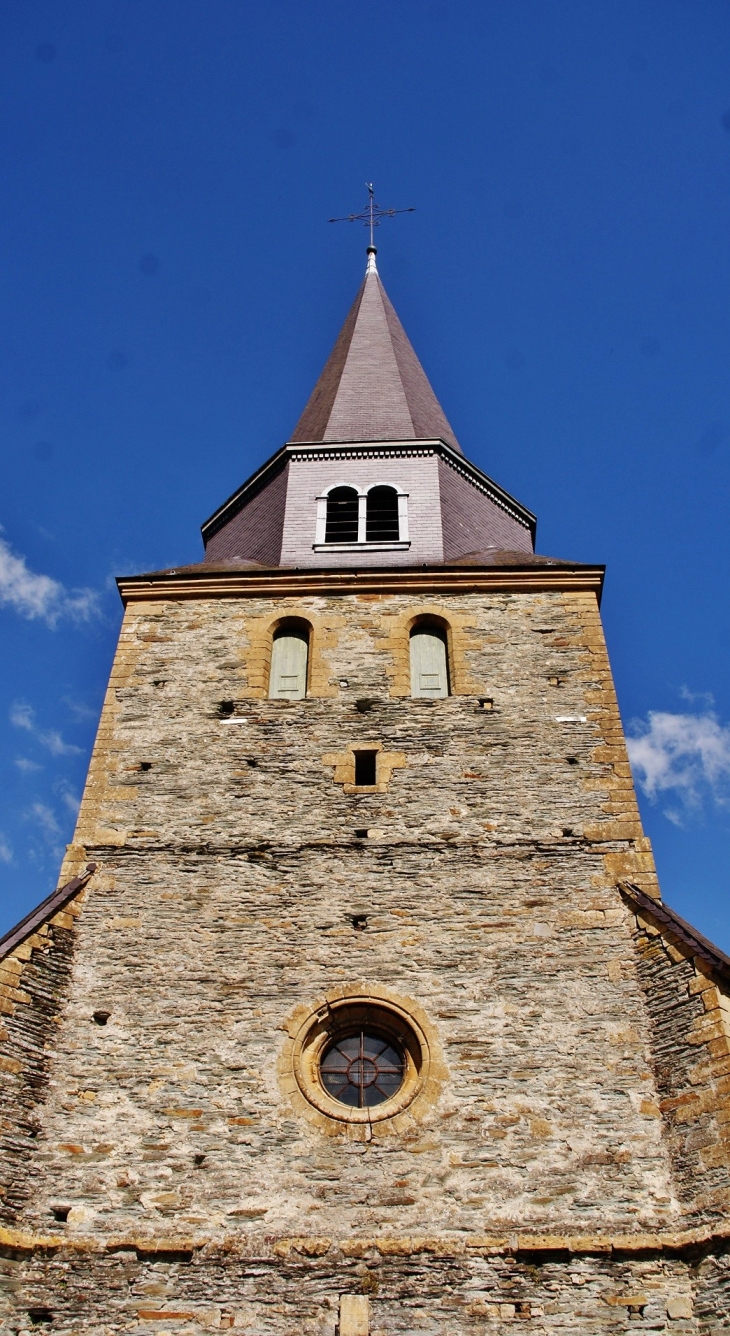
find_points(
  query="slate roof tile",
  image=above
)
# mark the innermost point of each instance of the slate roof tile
(373, 387)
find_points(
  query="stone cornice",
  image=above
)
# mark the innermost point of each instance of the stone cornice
(504, 1242)
(424, 580)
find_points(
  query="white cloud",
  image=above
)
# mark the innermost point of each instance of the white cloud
(26, 766)
(40, 597)
(57, 747)
(704, 698)
(68, 797)
(45, 818)
(22, 715)
(79, 709)
(6, 853)
(687, 755)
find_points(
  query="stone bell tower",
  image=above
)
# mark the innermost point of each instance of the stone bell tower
(357, 1008)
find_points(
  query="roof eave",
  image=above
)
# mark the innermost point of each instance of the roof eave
(307, 580)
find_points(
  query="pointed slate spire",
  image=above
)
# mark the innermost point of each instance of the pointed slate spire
(373, 387)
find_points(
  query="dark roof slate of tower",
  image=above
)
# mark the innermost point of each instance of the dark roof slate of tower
(373, 387)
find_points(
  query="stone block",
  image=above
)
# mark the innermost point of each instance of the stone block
(354, 1315)
(680, 1307)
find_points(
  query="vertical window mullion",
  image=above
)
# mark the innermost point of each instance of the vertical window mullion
(362, 518)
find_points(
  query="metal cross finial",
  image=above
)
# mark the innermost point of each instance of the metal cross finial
(371, 214)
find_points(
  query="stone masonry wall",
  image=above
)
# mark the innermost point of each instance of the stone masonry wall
(231, 874)
(233, 870)
(690, 1010)
(291, 1290)
(34, 980)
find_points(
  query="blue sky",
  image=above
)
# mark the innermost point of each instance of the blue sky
(171, 289)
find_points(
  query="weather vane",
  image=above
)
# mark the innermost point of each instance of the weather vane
(371, 214)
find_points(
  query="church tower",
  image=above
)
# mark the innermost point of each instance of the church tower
(357, 1009)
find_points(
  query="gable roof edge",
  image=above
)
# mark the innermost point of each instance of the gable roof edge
(245, 493)
(42, 912)
(693, 939)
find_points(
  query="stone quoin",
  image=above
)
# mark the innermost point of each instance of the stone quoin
(357, 1009)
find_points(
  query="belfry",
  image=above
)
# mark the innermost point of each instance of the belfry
(357, 1009)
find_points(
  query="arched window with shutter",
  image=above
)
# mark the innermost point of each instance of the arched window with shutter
(382, 524)
(342, 515)
(289, 660)
(429, 660)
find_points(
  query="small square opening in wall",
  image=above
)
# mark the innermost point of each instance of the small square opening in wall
(365, 768)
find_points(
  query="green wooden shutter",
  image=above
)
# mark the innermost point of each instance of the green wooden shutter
(288, 679)
(429, 669)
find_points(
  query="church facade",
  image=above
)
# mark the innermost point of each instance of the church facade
(357, 1009)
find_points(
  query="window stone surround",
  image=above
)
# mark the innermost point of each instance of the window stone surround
(344, 766)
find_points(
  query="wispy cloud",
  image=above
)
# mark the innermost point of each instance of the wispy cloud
(45, 817)
(70, 800)
(6, 853)
(79, 709)
(40, 597)
(685, 755)
(52, 739)
(26, 766)
(22, 715)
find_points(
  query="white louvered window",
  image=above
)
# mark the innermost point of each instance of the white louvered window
(289, 654)
(429, 661)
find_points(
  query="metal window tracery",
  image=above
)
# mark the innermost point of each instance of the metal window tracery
(361, 1070)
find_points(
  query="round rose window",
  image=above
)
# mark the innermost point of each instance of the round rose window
(361, 1070)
